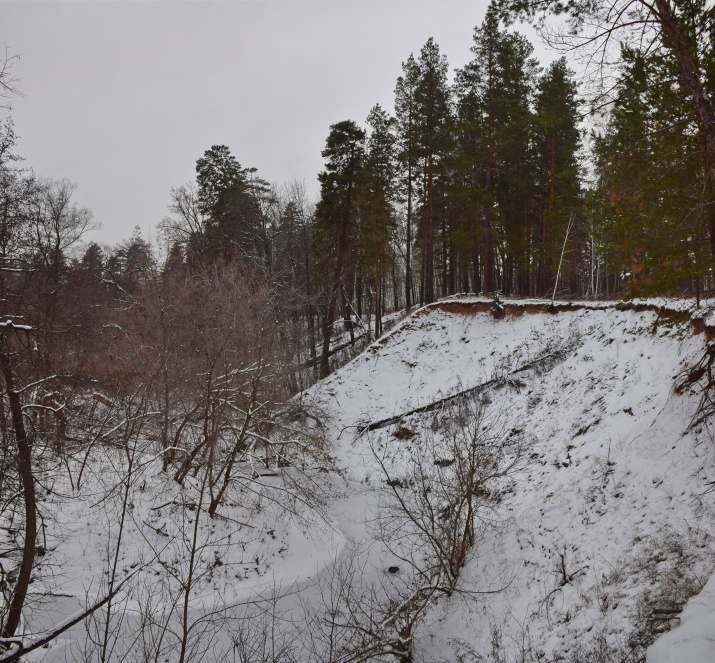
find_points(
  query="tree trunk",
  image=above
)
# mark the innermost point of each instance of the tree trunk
(310, 314)
(346, 315)
(408, 259)
(358, 288)
(678, 44)
(709, 203)
(488, 262)
(24, 463)
(529, 269)
(445, 281)
(429, 235)
(395, 291)
(476, 279)
(329, 319)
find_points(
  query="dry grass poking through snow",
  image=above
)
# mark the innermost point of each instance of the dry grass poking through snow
(605, 530)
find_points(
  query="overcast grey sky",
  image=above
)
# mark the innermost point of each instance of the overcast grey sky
(123, 97)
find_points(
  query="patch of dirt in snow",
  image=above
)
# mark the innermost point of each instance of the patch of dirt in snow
(605, 530)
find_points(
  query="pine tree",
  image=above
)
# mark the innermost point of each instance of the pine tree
(377, 196)
(653, 166)
(229, 199)
(131, 263)
(494, 152)
(558, 146)
(336, 218)
(432, 95)
(216, 173)
(407, 141)
(513, 138)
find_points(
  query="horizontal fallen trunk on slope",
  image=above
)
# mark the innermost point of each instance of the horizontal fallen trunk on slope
(435, 405)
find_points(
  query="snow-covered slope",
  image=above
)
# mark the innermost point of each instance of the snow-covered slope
(694, 640)
(605, 528)
(587, 548)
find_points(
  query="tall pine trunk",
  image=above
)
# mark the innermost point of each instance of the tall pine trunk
(408, 259)
(429, 234)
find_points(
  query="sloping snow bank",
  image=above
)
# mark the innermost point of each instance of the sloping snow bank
(694, 640)
(607, 528)
(598, 538)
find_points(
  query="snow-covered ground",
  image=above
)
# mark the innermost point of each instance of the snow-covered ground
(599, 534)
(694, 640)
(606, 528)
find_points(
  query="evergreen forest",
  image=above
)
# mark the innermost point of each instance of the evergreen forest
(494, 178)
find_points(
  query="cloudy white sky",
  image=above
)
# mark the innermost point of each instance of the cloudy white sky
(123, 97)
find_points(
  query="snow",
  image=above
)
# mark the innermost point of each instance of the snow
(614, 483)
(605, 520)
(281, 546)
(694, 640)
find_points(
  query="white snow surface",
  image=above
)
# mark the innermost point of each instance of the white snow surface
(613, 486)
(694, 640)
(611, 492)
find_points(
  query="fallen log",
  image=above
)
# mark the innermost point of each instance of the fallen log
(435, 405)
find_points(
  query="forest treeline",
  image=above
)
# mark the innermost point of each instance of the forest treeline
(480, 184)
(483, 182)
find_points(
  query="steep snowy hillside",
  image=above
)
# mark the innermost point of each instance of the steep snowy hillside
(517, 484)
(601, 526)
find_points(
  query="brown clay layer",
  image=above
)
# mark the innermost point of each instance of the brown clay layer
(516, 310)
